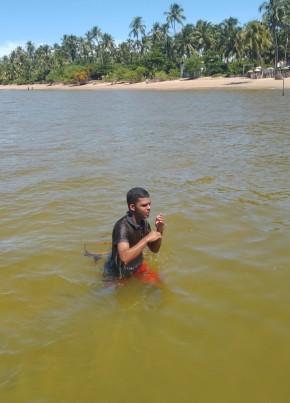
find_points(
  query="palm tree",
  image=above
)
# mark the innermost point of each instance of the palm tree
(85, 49)
(6, 71)
(257, 39)
(19, 65)
(204, 36)
(145, 45)
(137, 27)
(185, 41)
(58, 57)
(44, 61)
(175, 15)
(273, 12)
(167, 41)
(95, 34)
(239, 45)
(125, 52)
(156, 34)
(30, 48)
(108, 47)
(94, 37)
(227, 38)
(286, 26)
(70, 45)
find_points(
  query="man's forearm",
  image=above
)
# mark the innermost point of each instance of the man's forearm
(155, 246)
(128, 254)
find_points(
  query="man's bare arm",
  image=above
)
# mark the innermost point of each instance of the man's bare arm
(160, 225)
(128, 254)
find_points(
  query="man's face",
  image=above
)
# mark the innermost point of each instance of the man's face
(142, 208)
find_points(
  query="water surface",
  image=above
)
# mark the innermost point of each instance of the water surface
(216, 163)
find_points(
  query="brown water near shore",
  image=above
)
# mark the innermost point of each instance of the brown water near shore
(217, 165)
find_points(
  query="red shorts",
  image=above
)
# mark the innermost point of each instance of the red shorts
(146, 275)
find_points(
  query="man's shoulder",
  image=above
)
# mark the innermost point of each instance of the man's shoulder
(122, 224)
(122, 220)
(122, 230)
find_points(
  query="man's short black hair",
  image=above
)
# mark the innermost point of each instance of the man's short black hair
(136, 193)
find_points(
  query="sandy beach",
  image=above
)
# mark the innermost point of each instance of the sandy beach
(182, 84)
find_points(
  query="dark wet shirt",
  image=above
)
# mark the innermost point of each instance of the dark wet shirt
(125, 230)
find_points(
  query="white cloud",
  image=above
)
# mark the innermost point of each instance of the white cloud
(6, 48)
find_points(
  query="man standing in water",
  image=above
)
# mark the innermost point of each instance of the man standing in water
(131, 234)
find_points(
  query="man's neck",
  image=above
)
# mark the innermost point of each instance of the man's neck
(135, 219)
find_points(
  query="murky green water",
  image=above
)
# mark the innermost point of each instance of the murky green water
(217, 165)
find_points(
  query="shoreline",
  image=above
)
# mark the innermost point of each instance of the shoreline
(180, 84)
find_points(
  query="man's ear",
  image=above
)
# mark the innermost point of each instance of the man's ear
(132, 207)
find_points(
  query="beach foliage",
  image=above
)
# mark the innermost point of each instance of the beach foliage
(236, 68)
(70, 74)
(125, 74)
(193, 66)
(213, 63)
(166, 50)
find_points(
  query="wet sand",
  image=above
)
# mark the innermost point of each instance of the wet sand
(181, 84)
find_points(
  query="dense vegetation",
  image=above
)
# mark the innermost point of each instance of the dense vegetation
(166, 51)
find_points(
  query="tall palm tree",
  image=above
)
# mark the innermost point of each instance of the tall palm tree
(167, 40)
(137, 27)
(227, 41)
(273, 12)
(20, 64)
(30, 48)
(125, 52)
(94, 36)
(257, 39)
(43, 56)
(204, 36)
(145, 45)
(156, 34)
(108, 47)
(84, 48)
(286, 27)
(6, 71)
(175, 15)
(70, 44)
(138, 31)
(185, 41)
(57, 56)
(160, 36)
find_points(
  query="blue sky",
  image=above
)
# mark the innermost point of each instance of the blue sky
(46, 22)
